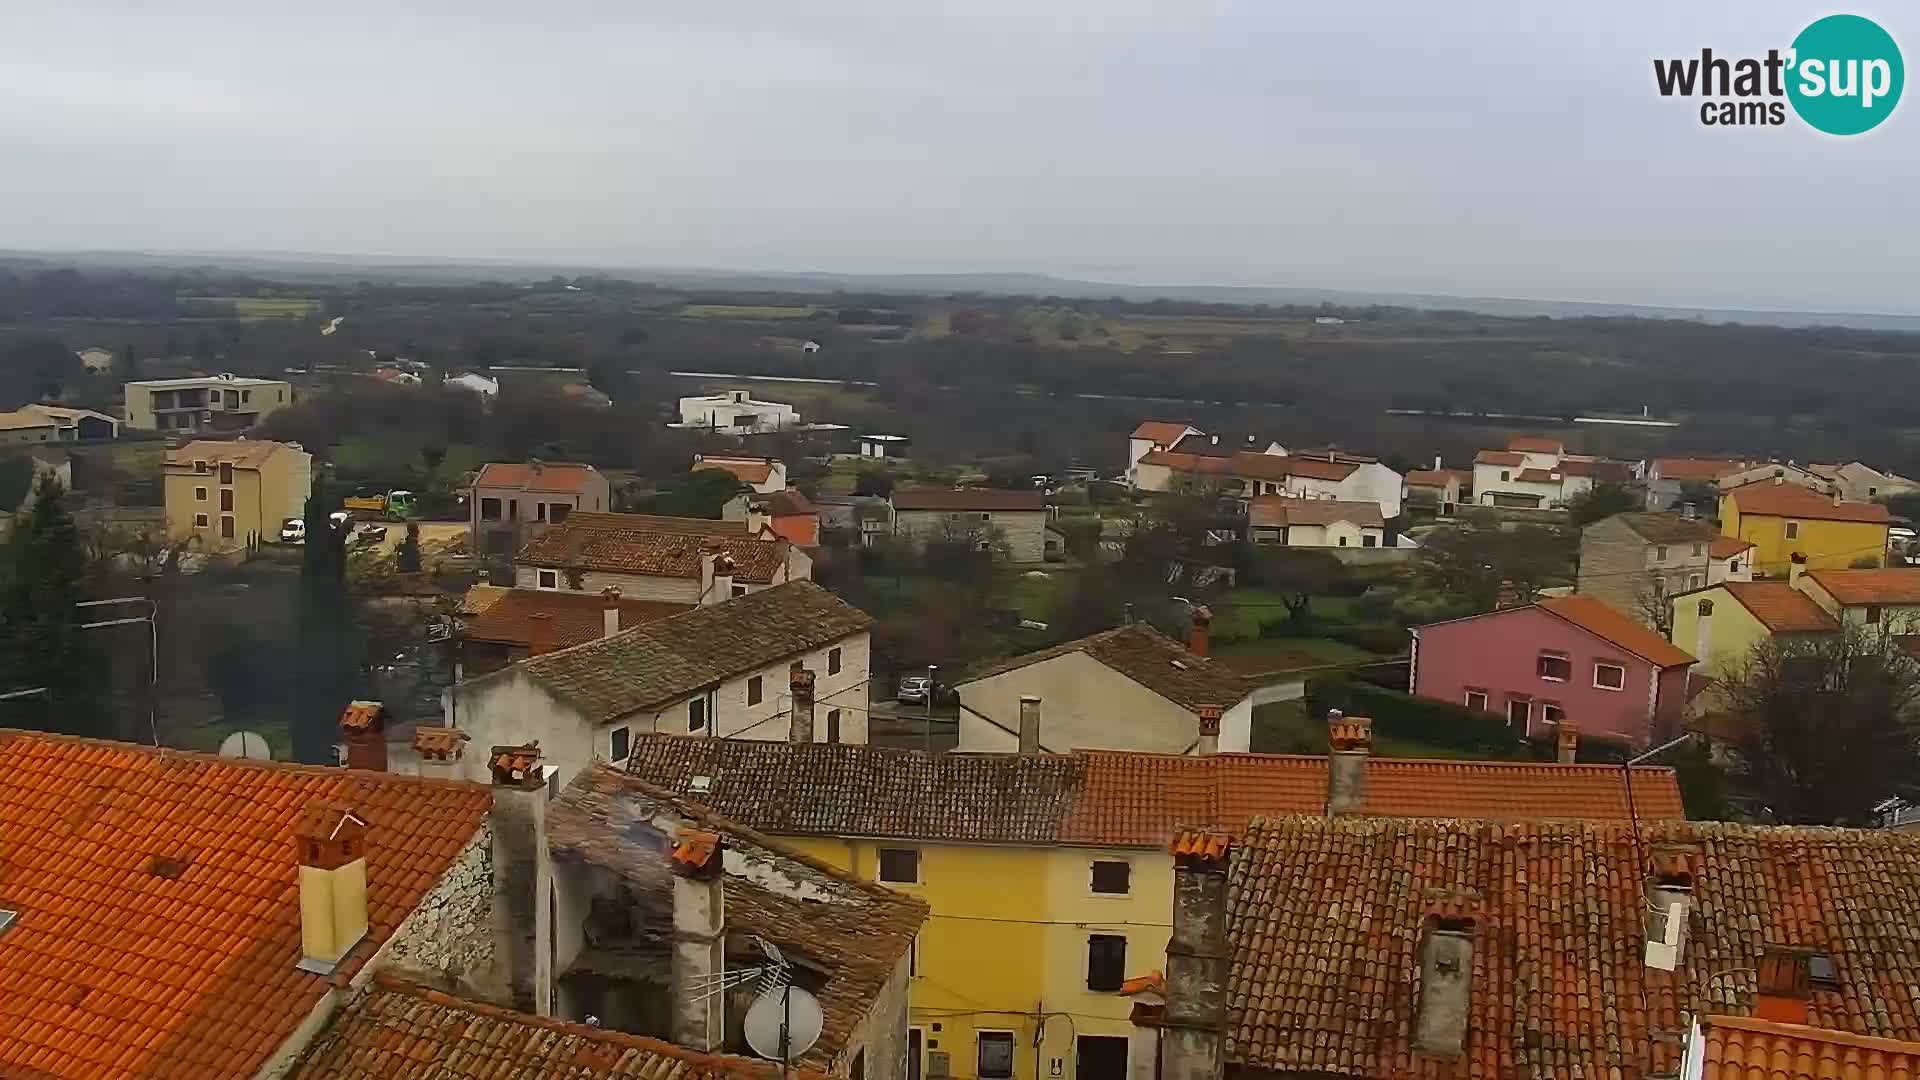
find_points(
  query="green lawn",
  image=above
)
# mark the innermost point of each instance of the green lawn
(1284, 728)
(1263, 655)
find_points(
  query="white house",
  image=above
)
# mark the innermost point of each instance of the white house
(719, 671)
(1293, 522)
(1860, 482)
(1538, 473)
(1346, 478)
(1129, 688)
(476, 383)
(676, 560)
(884, 446)
(1153, 435)
(1011, 524)
(733, 412)
(1778, 470)
(763, 474)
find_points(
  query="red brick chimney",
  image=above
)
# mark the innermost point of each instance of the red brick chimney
(1209, 729)
(364, 728)
(1197, 636)
(539, 634)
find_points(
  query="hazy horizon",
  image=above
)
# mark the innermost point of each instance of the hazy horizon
(1503, 151)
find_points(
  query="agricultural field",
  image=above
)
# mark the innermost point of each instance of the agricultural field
(761, 312)
(261, 307)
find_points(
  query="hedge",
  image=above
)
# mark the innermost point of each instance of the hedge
(1436, 723)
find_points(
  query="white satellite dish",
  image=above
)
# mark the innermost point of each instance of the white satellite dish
(792, 1007)
(246, 744)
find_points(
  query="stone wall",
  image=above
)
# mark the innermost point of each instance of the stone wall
(448, 940)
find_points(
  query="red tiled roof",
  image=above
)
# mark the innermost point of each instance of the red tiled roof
(1696, 468)
(1742, 1048)
(1617, 471)
(1539, 476)
(1893, 585)
(979, 499)
(1315, 468)
(1780, 607)
(1604, 622)
(240, 453)
(1189, 463)
(1537, 444)
(1327, 920)
(1498, 457)
(747, 470)
(1132, 798)
(656, 546)
(578, 617)
(1275, 511)
(529, 476)
(1726, 547)
(116, 969)
(1437, 478)
(1162, 432)
(403, 1031)
(1793, 501)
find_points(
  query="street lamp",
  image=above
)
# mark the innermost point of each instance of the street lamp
(153, 645)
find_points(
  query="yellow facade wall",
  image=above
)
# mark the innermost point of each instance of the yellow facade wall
(1727, 636)
(261, 498)
(1005, 947)
(1828, 545)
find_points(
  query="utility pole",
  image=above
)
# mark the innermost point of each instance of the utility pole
(926, 741)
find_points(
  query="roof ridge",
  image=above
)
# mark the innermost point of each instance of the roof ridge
(1808, 1031)
(211, 758)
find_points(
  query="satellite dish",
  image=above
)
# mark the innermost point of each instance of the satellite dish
(245, 744)
(800, 1012)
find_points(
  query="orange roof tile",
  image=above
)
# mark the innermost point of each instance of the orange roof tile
(439, 743)
(694, 847)
(1726, 547)
(1200, 843)
(1311, 468)
(1742, 1048)
(1538, 444)
(1602, 621)
(1438, 478)
(1190, 463)
(654, 546)
(1780, 607)
(578, 617)
(1538, 476)
(1498, 457)
(1153, 982)
(1164, 432)
(531, 476)
(746, 470)
(1894, 585)
(361, 716)
(1696, 468)
(240, 453)
(1791, 500)
(116, 969)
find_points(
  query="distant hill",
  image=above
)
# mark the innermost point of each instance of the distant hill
(424, 271)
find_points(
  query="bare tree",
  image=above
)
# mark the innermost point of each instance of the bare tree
(1654, 605)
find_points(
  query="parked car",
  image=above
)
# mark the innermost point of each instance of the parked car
(369, 532)
(293, 531)
(914, 690)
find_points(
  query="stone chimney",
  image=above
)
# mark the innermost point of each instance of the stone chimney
(1446, 981)
(1567, 742)
(698, 863)
(800, 718)
(716, 572)
(610, 610)
(1197, 634)
(363, 726)
(522, 880)
(1796, 566)
(1029, 724)
(539, 634)
(1209, 741)
(1784, 985)
(1349, 742)
(439, 750)
(330, 849)
(1194, 1028)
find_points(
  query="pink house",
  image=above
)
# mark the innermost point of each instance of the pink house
(1569, 658)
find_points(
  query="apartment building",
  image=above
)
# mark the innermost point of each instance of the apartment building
(225, 495)
(204, 403)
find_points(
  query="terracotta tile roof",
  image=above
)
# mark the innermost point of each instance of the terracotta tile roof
(113, 969)
(1498, 457)
(1780, 607)
(1616, 471)
(361, 716)
(1539, 476)
(746, 470)
(577, 616)
(659, 547)
(1742, 1048)
(1104, 798)
(1537, 444)
(1602, 621)
(438, 743)
(1696, 468)
(776, 787)
(1668, 528)
(1793, 501)
(240, 453)
(1327, 917)
(1275, 511)
(1312, 468)
(1148, 657)
(479, 598)
(790, 501)
(530, 476)
(1201, 464)
(1436, 478)
(1162, 432)
(403, 1031)
(854, 931)
(980, 499)
(1726, 547)
(1894, 585)
(660, 662)
(1134, 799)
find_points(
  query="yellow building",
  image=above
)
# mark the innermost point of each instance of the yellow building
(223, 495)
(1870, 598)
(204, 403)
(1721, 624)
(1048, 875)
(1783, 520)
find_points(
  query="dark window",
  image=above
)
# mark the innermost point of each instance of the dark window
(899, 866)
(1100, 1057)
(1821, 972)
(1793, 530)
(1699, 550)
(1519, 710)
(1554, 666)
(200, 520)
(753, 690)
(1111, 876)
(618, 744)
(1609, 676)
(697, 714)
(539, 511)
(1368, 540)
(226, 472)
(1660, 553)
(739, 590)
(1706, 608)
(1477, 699)
(913, 1053)
(489, 509)
(513, 509)
(833, 725)
(1505, 475)
(547, 579)
(200, 494)
(558, 512)
(1873, 613)
(1106, 962)
(226, 499)
(1551, 713)
(833, 661)
(226, 527)
(996, 1055)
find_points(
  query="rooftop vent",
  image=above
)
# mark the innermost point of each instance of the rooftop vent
(700, 785)
(165, 866)
(7, 918)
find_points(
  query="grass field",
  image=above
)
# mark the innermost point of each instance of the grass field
(261, 307)
(747, 311)
(1285, 728)
(1264, 655)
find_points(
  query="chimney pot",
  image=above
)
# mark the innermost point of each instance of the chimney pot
(363, 726)
(330, 849)
(800, 717)
(539, 634)
(1209, 729)
(1350, 741)
(438, 748)
(1197, 636)
(1029, 724)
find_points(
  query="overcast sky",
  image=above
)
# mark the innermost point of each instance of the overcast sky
(1511, 148)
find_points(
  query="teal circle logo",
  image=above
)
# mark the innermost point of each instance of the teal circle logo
(1845, 76)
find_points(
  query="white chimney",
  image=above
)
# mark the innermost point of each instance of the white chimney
(800, 719)
(1029, 724)
(1436, 463)
(722, 579)
(1349, 744)
(698, 862)
(610, 610)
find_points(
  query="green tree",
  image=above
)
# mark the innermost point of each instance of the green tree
(324, 662)
(1477, 559)
(407, 556)
(877, 482)
(1603, 500)
(127, 367)
(47, 572)
(699, 494)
